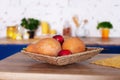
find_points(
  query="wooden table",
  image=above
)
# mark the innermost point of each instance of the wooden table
(21, 67)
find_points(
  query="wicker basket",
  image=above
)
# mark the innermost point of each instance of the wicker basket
(64, 60)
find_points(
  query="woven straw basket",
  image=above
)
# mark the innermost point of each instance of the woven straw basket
(64, 60)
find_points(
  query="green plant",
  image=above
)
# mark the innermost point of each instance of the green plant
(30, 23)
(105, 24)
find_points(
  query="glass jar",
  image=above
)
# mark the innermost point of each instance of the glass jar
(45, 27)
(10, 31)
(81, 30)
(67, 29)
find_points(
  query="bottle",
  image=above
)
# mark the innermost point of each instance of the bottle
(45, 27)
(67, 29)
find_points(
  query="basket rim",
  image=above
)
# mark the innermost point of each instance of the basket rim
(67, 59)
(93, 49)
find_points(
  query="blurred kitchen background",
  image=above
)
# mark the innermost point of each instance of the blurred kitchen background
(59, 12)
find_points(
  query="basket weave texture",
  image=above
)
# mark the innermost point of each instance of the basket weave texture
(64, 60)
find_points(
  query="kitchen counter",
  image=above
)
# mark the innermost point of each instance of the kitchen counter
(88, 41)
(21, 67)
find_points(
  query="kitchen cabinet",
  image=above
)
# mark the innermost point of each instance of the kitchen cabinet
(9, 46)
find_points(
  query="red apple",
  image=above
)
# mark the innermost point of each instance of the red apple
(59, 38)
(64, 52)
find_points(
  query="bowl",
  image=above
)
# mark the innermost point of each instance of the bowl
(64, 60)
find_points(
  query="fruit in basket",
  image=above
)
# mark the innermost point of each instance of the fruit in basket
(64, 52)
(59, 38)
(73, 44)
(48, 46)
(31, 48)
(57, 46)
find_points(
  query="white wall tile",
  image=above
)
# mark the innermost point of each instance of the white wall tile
(56, 12)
